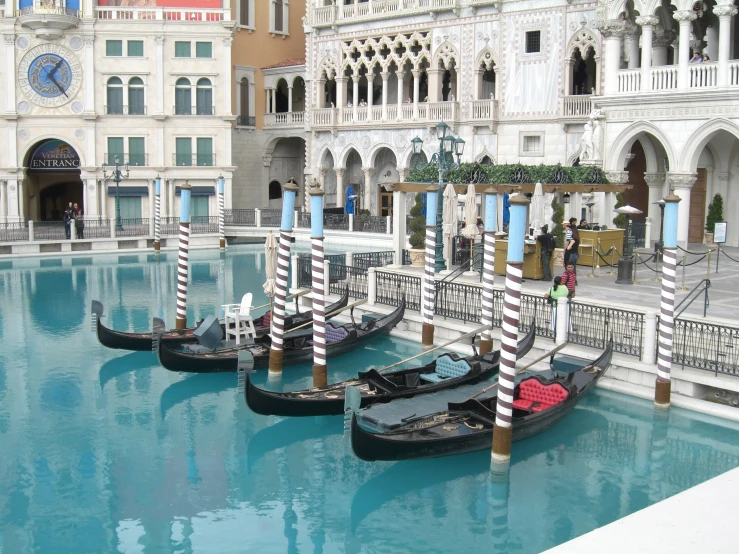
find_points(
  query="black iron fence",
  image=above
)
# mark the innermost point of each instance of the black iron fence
(336, 222)
(342, 276)
(95, 229)
(50, 230)
(201, 224)
(304, 272)
(11, 232)
(595, 325)
(458, 301)
(706, 346)
(535, 310)
(133, 227)
(271, 218)
(370, 224)
(170, 226)
(304, 220)
(391, 287)
(241, 217)
(365, 260)
(638, 232)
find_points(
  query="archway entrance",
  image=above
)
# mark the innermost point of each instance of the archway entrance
(53, 180)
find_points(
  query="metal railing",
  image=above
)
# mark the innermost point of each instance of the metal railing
(170, 226)
(133, 227)
(364, 260)
(193, 110)
(391, 287)
(535, 310)
(96, 229)
(242, 217)
(594, 326)
(304, 220)
(336, 222)
(200, 160)
(706, 346)
(342, 276)
(49, 230)
(304, 272)
(130, 159)
(370, 223)
(11, 232)
(246, 121)
(202, 224)
(122, 109)
(42, 9)
(458, 301)
(271, 218)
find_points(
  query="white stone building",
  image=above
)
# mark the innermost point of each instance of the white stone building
(86, 82)
(530, 82)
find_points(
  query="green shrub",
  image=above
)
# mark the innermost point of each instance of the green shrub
(620, 220)
(715, 212)
(418, 225)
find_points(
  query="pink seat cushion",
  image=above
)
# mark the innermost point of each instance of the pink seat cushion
(266, 319)
(535, 396)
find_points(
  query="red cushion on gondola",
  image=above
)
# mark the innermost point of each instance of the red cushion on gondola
(266, 319)
(522, 404)
(535, 396)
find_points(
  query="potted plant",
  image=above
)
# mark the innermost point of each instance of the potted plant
(558, 216)
(715, 214)
(418, 233)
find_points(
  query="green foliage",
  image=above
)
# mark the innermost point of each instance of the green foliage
(512, 173)
(557, 218)
(365, 213)
(715, 212)
(417, 224)
(620, 220)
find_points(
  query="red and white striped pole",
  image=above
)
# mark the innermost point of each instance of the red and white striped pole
(488, 269)
(157, 212)
(503, 428)
(429, 283)
(662, 387)
(283, 268)
(319, 280)
(221, 215)
(182, 260)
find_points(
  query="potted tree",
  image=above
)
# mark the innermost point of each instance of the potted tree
(418, 233)
(558, 216)
(715, 214)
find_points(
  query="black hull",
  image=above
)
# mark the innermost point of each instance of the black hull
(227, 359)
(465, 428)
(140, 342)
(300, 404)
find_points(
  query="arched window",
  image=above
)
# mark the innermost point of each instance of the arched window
(275, 190)
(114, 96)
(244, 98)
(182, 97)
(204, 97)
(486, 160)
(136, 104)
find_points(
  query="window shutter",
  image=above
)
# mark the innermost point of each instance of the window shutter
(204, 49)
(205, 151)
(137, 151)
(136, 48)
(115, 148)
(113, 47)
(182, 49)
(183, 149)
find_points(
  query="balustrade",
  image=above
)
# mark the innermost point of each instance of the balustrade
(577, 105)
(703, 75)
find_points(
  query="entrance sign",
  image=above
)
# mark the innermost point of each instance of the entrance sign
(719, 232)
(54, 155)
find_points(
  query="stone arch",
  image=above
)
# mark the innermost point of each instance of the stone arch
(487, 58)
(328, 66)
(583, 39)
(372, 155)
(700, 138)
(445, 53)
(26, 152)
(345, 155)
(484, 153)
(322, 155)
(622, 145)
(406, 156)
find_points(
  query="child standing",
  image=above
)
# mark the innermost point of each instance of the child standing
(569, 279)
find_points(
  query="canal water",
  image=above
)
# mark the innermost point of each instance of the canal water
(105, 451)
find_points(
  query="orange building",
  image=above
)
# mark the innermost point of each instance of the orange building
(268, 57)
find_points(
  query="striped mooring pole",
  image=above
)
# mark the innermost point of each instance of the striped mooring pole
(157, 212)
(488, 269)
(182, 259)
(221, 216)
(283, 268)
(318, 280)
(429, 292)
(503, 430)
(667, 312)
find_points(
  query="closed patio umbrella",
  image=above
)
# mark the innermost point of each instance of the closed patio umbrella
(470, 213)
(449, 219)
(270, 268)
(536, 210)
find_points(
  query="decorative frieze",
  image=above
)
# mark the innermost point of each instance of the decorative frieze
(684, 181)
(656, 180)
(618, 177)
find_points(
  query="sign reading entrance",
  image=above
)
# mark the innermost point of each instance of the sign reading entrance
(54, 155)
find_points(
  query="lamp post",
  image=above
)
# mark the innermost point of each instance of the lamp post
(660, 245)
(449, 148)
(117, 175)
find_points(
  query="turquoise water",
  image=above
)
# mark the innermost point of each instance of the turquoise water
(104, 451)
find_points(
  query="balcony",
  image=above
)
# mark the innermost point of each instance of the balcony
(329, 16)
(284, 119)
(576, 108)
(125, 110)
(246, 121)
(199, 160)
(49, 18)
(193, 110)
(665, 77)
(132, 160)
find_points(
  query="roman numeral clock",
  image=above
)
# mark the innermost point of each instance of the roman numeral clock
(49, 75)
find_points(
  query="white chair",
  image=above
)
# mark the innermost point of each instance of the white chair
(243, 322)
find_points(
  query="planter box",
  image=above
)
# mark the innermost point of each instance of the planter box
(417, 257)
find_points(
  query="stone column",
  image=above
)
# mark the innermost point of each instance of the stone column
(370, 99)
(226, 83)
(399, 229)
(647, 30)
(103, 188)
(711, 39)
(632, 47)
(660, 42)
(416, 84)
(340, 200)
(613, 31)
(340, 93)
(385, 76)
(367, 200)
(170, 199)
(289, 99)
(725, 15)
(160, 74)
(434, 85)
(10, 68)
(656, 184)
(685, 17)
(321, 93)
(401, 87)
(3, 201)
(681, 184)
(355, 95)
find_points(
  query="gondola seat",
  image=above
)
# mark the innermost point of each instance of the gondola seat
(447, 368)
(266, 320)
(335, 334)
(535, 396)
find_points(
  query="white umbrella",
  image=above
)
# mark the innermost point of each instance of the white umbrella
(270, 257)
(536, 209)
(449, 221)
(628, 210)
(470, 213)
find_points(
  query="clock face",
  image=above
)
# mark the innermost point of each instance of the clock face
(49, 75)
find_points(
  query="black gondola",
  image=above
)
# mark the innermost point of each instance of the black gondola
(445, 372)
(143, 341)
(539, 404)
(296, 349)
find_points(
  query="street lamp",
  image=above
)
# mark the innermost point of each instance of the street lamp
(658, 247)
(117, 175)
(449, 148)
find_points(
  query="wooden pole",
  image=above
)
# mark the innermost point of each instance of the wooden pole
(183, 257)
(429, 284)
(488, 269)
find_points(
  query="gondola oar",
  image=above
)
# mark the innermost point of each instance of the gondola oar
(348, 306)
(524, 368)
(291, 297)
(475, 332)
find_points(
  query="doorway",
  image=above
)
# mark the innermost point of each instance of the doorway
(54, 199)
(386, 202)
(53, 181)
(697, 208)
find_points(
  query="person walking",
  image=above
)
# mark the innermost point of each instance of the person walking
(572, 247)
(555, 292)
(548, 244)
(568, 238)
(68, 214)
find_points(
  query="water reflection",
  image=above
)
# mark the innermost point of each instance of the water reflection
(193, 386)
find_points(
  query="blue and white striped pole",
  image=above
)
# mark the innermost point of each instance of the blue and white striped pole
(429, 292)
(503, 430)
(182, 260)
(221, 220)
(283, 267)
(319, 280)
(488, 269)
(667, 312)
(157, 212)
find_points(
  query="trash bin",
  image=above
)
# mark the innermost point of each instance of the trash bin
(625, 275)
